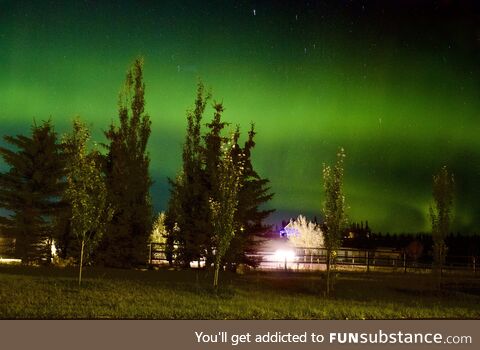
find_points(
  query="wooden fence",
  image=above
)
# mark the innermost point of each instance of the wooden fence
(311, 259)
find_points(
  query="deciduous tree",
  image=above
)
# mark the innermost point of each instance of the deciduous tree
(85, 192)
(305, 234)
(159, 231)
(224, 206)
(440, 215)
(334, 212)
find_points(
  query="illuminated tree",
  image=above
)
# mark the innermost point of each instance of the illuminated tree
(128, 179)
(440, 215)
(30, 190)
(86, 191)
(334, 214)
(304, 233)
(159, 231)
(224, 207)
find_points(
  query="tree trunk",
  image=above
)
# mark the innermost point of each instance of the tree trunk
(328, 273)
(81, 264)
(215, 276)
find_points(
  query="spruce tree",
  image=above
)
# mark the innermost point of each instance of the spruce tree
(30, 191)
(187, 213)
(65, 242)
(213, 156)
(254, 192)
(128, 179)
(188, 218)
(173, 216)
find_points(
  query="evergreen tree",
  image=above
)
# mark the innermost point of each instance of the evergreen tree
(189, 210)
(213, 157)
(173, 216)
(253, 193)
(30, 190)
(128, 179)
(85, 192)
(213, 148)
(333, 212)
(440, 214)
(187, 213)
(65, 242)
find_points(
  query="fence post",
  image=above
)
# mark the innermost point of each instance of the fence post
(474, 265)
(368, 260)
(404, 262)
(150, 254)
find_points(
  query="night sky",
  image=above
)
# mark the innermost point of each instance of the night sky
(397, 85)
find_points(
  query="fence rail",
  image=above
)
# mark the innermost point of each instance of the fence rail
(310, 259)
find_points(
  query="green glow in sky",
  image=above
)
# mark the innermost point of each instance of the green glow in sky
(401, 99)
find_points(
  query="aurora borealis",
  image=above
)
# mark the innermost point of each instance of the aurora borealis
(396, 85)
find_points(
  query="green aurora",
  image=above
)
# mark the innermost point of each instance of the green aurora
(397, 87)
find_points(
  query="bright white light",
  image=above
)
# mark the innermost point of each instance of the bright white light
(284, 255)
(53, 249)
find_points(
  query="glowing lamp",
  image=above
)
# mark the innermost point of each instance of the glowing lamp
(284, 255)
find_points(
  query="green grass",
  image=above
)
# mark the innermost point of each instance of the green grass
(52, 293)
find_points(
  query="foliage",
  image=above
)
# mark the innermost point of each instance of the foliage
(440, 214)
(172, 219)
(334, 209)
(224, 206)
(159, 231)
(86, 191)
(128, 179)
(30, 190)
(189, 209)
(304, 233)
(66, 244)
(253, 194)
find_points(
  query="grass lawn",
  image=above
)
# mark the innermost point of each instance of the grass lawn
(52, 293)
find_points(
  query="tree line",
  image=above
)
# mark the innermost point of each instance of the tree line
(94, 204)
